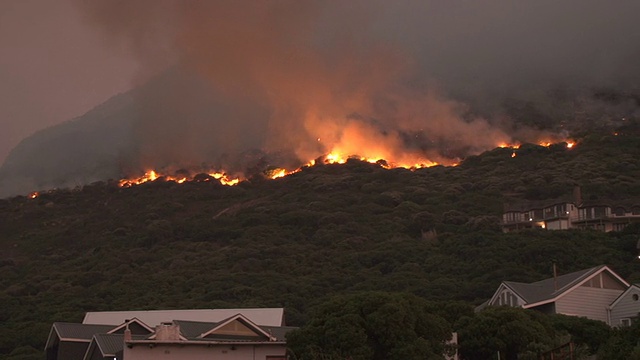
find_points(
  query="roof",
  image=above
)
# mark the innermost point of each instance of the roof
(522, 206)
(79, 331)
(239, 317)
(109, 344)
(545, 290)
(193, 329)
(278, 332)
(74, 332)
(629, 289)
(263, 316)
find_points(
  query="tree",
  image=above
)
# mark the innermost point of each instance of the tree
(623, 344)
(372, 326)
(514, 332)
(584, 332)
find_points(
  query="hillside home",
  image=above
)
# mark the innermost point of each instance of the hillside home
(233, 337)
(597, 293)
(571, 214)
(550, 216)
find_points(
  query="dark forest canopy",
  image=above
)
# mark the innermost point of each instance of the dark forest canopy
(298, 241)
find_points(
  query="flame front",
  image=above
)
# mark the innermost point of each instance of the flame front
(336, 156)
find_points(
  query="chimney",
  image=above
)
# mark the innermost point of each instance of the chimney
(555, 277)
(167, 331)
(127, 332)
(577, 195)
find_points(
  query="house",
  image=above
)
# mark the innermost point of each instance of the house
(556, 215)
(625, 309)
(70, 340)
(597, 293)
(234, 338)
(602, 215)
(202, 334)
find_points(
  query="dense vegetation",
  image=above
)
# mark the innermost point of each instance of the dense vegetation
(299, 241)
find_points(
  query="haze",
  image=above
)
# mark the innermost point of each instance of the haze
(407, 81)
(53, 67)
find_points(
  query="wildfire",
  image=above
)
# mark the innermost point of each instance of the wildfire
(334, 157)
(510, 146)
(224, 179)
(34, 195)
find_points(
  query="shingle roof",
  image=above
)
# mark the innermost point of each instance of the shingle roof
(263, 316)
(546, 289)
(109, 344)
(278, 332)
(193, 329)
(79, 331)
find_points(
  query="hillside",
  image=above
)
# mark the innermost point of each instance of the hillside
(298, 240)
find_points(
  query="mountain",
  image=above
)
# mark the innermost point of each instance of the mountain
(80, 151)
(175, 118)
(298, 240)
(180, 120)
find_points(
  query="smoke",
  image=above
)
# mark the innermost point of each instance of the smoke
(408, 81)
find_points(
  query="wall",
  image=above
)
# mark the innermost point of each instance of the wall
(626, 307)
(201, 352)
(588, 302)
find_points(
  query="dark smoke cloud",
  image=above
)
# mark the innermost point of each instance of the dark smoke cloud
(404, 80)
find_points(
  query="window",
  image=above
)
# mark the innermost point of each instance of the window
(620, 211)
(625, 322)
(634, 297)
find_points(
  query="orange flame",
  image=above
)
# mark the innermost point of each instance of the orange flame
(333, 157)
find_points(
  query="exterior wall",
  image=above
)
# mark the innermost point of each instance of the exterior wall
(95, 355)
(506, 298)
(558, 224)
(627, 307)
(72, 350)
(202, 352)
(589, 302)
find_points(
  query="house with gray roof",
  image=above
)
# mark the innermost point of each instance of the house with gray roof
(234, 337)
(595, 293)
(626, 308)
(71, 340)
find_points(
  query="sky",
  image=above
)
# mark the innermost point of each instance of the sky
(54, 66)
(326, 75)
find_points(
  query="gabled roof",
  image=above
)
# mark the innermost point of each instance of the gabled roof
(193, 329)
(74, 332)
(504, 285)
(633, 287)
(263, 316)
(278, 332)
(109, 344)
(127, 323)
(79, 331)
(544, 291)
(242, 319)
